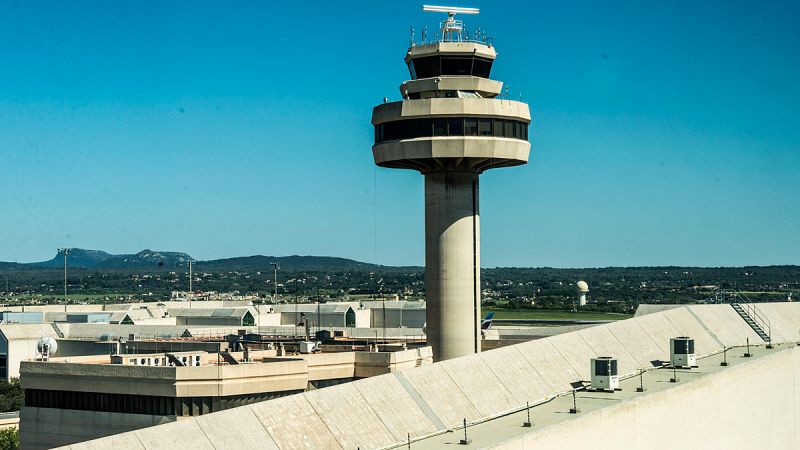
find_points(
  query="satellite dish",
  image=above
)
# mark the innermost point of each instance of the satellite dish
(46, 347)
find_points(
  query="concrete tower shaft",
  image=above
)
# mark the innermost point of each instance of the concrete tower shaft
(452, 263)
(451, 127)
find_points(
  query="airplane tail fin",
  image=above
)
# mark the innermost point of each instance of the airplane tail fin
(486, 323)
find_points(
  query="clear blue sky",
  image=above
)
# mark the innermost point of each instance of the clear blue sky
(663, 132)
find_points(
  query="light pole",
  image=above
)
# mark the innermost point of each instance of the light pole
(65, 251)
(191, 292)
(275, 266)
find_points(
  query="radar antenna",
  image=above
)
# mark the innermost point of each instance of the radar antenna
(451, 28)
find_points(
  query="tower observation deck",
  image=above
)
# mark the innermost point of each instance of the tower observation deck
(451, 126)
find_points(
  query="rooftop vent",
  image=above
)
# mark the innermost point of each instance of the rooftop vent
(309, 347)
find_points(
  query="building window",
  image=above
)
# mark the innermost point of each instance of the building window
(451, 126)
(470, 127)
(434, 66)
(484, 127)
(248, 320)
(455, 127)
(497, 128)
(101, 402)
(482, 67)
(508, 129)
(440, 127)
(456, 65)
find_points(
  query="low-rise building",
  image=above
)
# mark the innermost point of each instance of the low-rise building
(91, 397)
(17, 343)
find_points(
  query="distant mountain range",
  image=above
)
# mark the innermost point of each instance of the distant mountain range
(77, 257)
(149, 259)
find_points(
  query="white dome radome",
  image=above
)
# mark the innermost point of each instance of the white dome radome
(47, 346)
(582, 286)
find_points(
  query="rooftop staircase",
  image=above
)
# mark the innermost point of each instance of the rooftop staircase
(755, 318)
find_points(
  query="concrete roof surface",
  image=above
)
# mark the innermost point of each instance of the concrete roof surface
(33, 331)
(645, 308)
(379, 412)
(105, 331)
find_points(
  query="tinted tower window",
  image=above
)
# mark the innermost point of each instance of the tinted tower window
(434, 66)
(452, 126)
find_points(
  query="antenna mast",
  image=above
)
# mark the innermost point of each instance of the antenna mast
(65, 251)
(451, 28)
(275, 266)
(191, 292)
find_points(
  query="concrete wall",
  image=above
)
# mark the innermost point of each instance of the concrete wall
(755, 405)
(47, 428)
(370, 364)
(9, 420)
(326, 319)
(397, 317)
(16, 351)
(268, 319)
(70, 347)
(283, 375)
(208, 321)
(156, 321)
(363, 318)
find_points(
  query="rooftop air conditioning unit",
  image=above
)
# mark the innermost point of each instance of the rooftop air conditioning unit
(605, 375)
(308, 346)
(681, 352)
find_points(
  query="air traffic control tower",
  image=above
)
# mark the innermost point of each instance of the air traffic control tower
(451, 126)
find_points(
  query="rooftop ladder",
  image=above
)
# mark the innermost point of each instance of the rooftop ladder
(755, 318)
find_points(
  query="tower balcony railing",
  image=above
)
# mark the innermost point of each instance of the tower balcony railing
(454, 34)
(452, 25)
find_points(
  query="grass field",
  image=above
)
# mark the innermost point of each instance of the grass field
(552, 315)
